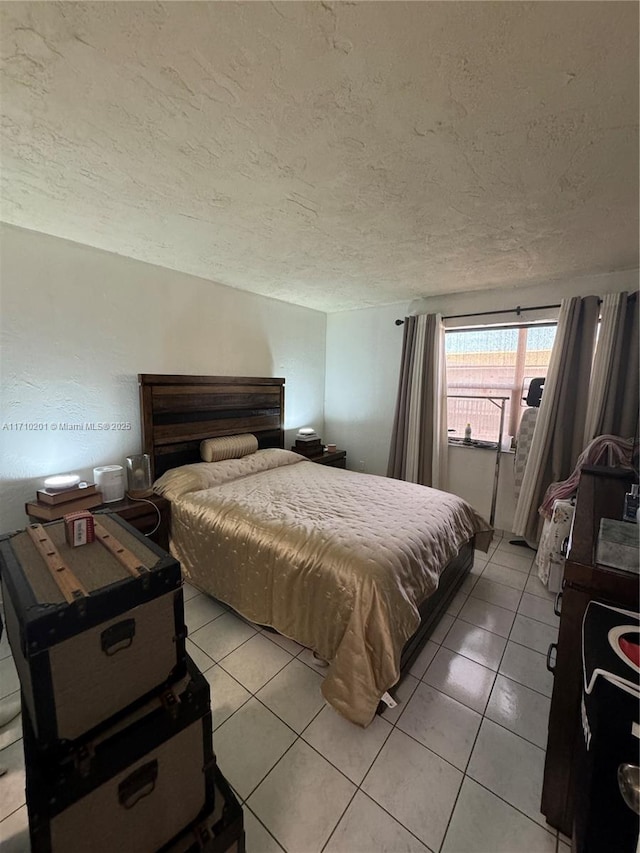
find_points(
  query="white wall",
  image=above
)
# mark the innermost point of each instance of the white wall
(79, 324)
(471, 475)
(363, 363)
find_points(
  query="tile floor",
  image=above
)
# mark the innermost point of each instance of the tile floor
(456, 766)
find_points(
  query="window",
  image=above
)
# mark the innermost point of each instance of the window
(493, 361)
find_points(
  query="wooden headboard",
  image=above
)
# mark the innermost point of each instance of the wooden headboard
(179, 411)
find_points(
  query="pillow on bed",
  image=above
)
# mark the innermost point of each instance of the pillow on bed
(206, 475)
(179, 481)
(228, 447)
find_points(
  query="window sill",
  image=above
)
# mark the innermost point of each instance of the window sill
(477, 445)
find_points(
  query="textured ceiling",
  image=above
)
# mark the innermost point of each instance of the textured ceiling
(334, 155)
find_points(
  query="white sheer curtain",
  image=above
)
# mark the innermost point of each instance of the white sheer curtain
(419, 440)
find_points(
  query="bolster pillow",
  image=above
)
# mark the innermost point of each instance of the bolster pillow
(227, 447)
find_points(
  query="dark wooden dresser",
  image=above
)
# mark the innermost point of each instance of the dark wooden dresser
(600, 495)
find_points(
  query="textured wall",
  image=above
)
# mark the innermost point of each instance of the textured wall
(334, 155)
(77, 327)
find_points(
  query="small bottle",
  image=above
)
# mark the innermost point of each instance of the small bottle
(631, 504)
(467, 434)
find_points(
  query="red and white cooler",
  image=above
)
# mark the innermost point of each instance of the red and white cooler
(607, 796)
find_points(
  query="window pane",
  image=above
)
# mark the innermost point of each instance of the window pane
(539, 345)
(485, 362)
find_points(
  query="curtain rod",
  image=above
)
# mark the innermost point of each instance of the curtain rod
(517, 311)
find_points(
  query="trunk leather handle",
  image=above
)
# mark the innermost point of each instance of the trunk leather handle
(552, 646)
(138, 785)
(118, 637)
(557, 603)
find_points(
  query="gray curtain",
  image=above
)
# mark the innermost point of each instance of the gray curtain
(614, 394)
(398, 451)
(558, 437)
(418, 450)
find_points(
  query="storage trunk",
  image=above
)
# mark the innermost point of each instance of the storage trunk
(133, 788)
(84, 662)
(221, 831)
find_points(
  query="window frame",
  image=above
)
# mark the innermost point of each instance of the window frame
(515, 414)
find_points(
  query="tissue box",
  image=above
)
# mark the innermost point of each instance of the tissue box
(79, 528)
(618, 545)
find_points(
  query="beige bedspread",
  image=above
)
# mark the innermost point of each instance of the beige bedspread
(336, 560)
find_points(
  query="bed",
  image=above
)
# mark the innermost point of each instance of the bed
(356, 567)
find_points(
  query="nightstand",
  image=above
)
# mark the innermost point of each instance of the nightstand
(141, 515)
(337, 459)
